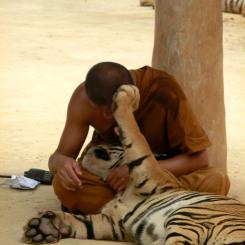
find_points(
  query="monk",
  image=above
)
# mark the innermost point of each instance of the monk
(164, 117)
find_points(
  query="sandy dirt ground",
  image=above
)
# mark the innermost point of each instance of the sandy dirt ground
(46, 47)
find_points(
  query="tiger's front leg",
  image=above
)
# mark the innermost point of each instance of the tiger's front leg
(51, 226)
(125, 102)
(138, 151)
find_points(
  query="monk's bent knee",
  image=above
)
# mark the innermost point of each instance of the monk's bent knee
(89, 199)
(211, 179)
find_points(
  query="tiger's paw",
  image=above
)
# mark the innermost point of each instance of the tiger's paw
(47, 228)
(126, 96)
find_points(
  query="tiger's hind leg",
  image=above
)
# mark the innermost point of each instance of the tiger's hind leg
(231, 234)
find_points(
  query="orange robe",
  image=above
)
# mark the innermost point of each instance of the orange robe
(166, 120)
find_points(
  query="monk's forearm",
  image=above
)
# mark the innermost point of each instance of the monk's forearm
(185, 164)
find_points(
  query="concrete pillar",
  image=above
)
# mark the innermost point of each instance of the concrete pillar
(188, 45)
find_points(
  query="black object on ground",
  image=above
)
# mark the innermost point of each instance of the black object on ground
(43, 176)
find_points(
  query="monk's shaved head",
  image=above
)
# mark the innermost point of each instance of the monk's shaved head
(103, 80)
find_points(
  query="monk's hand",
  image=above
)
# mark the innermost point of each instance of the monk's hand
(118, 178)
(69, 174)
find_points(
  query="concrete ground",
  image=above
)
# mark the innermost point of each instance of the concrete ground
(46, 48)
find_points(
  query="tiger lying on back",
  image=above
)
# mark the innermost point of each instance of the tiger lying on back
(153, 209)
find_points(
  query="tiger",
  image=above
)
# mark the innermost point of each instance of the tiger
(153, 209)
(228, 6)
(234, 6)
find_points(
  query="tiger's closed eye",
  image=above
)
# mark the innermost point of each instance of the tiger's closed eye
(102, 154)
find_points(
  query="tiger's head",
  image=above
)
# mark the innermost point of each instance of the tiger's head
(101, 159)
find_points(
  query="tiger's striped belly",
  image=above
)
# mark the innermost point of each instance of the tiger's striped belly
(187, 217)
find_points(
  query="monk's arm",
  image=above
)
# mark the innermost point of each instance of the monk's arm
(184, 164)
(63, 161)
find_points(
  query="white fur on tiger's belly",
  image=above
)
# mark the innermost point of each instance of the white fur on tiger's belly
(100, 159)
